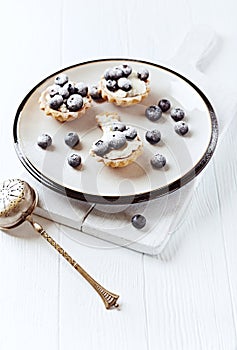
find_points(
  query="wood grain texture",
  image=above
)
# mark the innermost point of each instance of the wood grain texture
(186, 298)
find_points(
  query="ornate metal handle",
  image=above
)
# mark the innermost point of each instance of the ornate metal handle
(109, 299)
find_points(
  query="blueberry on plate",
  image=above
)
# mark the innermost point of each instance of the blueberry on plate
(127, 70)
(130, 133)
(56, 102)
(153, 136)
(181, 128)
(44, 141)
(138, 221)
(116, 73)
(124, 84)
(118, 140)
(143, 74)
(61, 79)
(100, 148)
(164, 105)
(53, 90)
(74, 160)
(81, 89)
(112, 85)
(153, 113)
(118, 126)
(72, 139)
(158, 161)
(177, 114)
(74, 103)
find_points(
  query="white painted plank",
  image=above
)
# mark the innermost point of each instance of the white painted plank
(188, 284)
(29, 289)
(83, 317)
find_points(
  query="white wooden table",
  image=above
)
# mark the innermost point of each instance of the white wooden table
(186, 298)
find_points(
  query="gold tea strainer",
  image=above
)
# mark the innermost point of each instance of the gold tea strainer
(17, 202)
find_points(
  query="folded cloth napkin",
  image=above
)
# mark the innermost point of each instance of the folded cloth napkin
(165, 214)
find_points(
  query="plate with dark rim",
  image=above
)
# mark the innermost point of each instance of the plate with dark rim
(94, 182)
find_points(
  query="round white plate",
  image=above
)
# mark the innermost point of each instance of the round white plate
(93, 181)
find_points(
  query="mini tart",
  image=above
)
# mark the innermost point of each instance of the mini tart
(62, 90)
(63, 114)
(117, 158)
(140, 90)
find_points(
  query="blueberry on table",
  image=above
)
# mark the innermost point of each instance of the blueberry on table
(56, 102)
(153, 136)
(81, 89)
(124, 84)
(44, 141)
(127, 70)
(158, 161)
(164, 105)
(153, 113)
(74, 103)
(74, 160)
(130, 133)
(138, 221)
(72, 139)
(112, 85)
(61, 79)
(177, 114)
(143, 74)
(118, 126)
(118, 140)
(181, 128)
(100, 148)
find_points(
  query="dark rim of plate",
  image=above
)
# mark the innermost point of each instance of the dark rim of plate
(128, 199)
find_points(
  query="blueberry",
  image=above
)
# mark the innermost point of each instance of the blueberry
(124, 84)
(158, 161)
(117, 140)
(153, 113)
(72, 139)
(63, 91)
(74, 102)
(61, 79)
(153, 136)
(44, 141)
(70, 87)
(130, 133)
(127, 70)
(113, 73)
(177, 114)
(112, 85)
(74, 160)
(100, 148)
(53, 90)
(143, 74)
(81, 89)
(117, 126)
(181, 128)
(95, 94)
(138, 221)
(56, 102)
(164, 105)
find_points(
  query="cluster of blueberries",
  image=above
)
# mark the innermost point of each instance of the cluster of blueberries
(64, 91)
(120, 135)
(71, 139)
(117, 77)
(154, 113)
